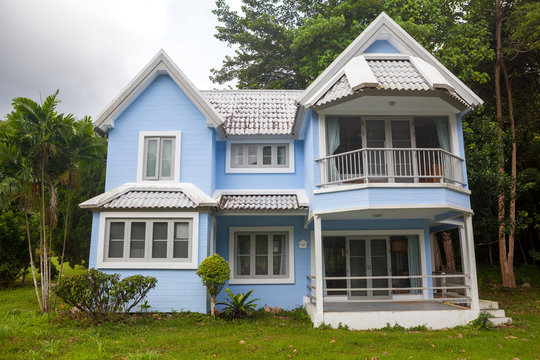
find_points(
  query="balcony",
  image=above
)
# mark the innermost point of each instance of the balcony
(396, 165)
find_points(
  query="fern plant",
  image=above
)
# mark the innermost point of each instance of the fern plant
(238, 306)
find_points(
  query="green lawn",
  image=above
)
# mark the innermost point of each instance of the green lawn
(24, 334)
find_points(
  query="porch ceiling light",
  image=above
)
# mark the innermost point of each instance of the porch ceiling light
(391, 103)
(377, 215)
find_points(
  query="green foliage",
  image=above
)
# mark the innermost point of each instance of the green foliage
(238, 306)
(14, 258)
(101, 296)
(214, 271)
(482, 322)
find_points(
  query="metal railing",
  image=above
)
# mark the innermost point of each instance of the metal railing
(454, 288)
(403, 165)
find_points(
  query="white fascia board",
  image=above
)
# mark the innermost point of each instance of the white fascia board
(160, 64)
(190, 190)
(432, 75)
(359, 74)
(384, 24)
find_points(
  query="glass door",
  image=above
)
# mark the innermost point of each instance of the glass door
(335, 264)
(368, 257)
(376, 159)
(357, 266)
(379, 266)
(402, 159)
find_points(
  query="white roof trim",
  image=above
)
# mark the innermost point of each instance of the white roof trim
(159, 65)
(191, 191)
(384, 25)
(432, 75)
(359, 74)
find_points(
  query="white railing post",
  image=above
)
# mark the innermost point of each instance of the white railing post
(475, 303)
(319, 316)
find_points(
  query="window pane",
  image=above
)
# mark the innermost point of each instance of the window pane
(151, 157)
(243, 265)
(252, 154)
(282, 155)
(159, 243)
(166, 157)
(261, 244)
(267, 155)
(401, 134)
(136, 246)
(279, 265)
(237, 155)
(278, 250)
(116, 249)
(375, 134)
(181, 230)
(261, 265)
(243, 244)
(180, 249)
(279, 244)
(117, 230)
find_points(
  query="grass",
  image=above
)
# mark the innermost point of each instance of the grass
(25, 334)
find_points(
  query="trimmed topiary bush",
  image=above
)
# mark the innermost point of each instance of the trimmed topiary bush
(214, 271)
(103, 296)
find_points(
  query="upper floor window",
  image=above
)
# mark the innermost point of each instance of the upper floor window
(159, 156)
(260, 157)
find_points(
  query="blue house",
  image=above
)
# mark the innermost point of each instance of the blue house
(328, 197)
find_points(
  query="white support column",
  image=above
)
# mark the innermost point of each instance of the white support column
(319, 316)
(465, 259)
(475, 304)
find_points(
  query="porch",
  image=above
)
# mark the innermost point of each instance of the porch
(367, 278)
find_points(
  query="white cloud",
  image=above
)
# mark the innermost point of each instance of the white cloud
(90, 49)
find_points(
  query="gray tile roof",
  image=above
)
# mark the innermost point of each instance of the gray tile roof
(260, 202)
(150, 200)
(391, 75)
(255, 112)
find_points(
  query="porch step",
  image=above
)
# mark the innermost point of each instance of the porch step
(492, 307)
(499, 313)
(501, 321)
(488, 305)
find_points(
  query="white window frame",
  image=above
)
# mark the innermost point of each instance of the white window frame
(260, 279)
(289, 168)
(104, 262)
(143, 136)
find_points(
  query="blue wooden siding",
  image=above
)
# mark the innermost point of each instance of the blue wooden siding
(311, 152)
(286, 296)
(162, 106)
(461, 142)
(381, 47)
(176, 289)
(226, 180)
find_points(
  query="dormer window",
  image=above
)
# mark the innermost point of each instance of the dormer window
(260, 157)
(159, 156)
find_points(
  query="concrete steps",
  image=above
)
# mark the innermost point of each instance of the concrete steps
(492, 307)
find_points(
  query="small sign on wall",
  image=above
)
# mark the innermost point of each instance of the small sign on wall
(302, 244)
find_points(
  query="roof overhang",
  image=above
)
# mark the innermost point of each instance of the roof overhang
(161, 64)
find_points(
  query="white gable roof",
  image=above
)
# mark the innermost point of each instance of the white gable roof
(159, 65)
(383, 27)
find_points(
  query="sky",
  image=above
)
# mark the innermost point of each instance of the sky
(91, 49)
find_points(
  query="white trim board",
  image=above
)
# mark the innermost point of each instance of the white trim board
(288, 280)
(259, 170)
(338, 188)
(104, 216)
(160, 64)
(177, 154)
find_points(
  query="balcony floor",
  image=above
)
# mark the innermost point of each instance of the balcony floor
(345, 306)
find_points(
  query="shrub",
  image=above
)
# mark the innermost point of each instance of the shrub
(102, 296)
(482, 321)
(214, 271)
(237, 306)
(14, 257)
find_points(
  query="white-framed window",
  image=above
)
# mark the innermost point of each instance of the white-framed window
(260, 157)
(261, 255)
(148, 240)
(159, 156)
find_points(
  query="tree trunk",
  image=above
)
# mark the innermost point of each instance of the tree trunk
(498, 105)
(65, 240)
(32, 259)
(45, 273)
(213, 305)
(437, 258)
(513, 176)
(449, 252)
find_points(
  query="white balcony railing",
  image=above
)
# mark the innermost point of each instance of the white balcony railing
(404, 165)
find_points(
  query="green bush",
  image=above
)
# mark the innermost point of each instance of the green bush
(214, 271)
(103, 296)
(238, 306)
(14, 257)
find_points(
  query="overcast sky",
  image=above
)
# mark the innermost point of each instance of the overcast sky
(91, 49)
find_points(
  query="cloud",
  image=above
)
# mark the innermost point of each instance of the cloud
(91, 49)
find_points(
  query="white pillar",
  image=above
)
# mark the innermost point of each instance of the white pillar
(318, 320)
(475, 304)
(465, 258)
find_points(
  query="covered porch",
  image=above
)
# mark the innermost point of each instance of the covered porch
(378, 269)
